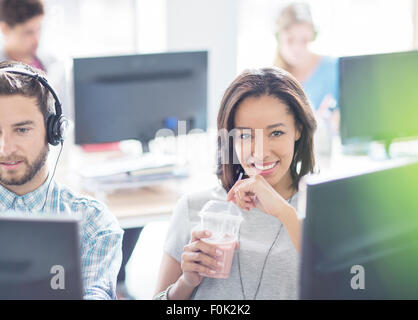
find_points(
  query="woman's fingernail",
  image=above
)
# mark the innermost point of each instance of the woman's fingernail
(207, 233)
(212, 271)
(218, 252)
(220, 264)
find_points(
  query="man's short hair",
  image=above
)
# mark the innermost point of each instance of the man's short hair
(18, 84)
(15, 12)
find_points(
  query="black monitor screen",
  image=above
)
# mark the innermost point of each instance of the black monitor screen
(39, 257)
(378, 97)
(133, 96)
(360, 236)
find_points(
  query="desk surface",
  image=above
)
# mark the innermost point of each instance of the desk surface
(137, 206)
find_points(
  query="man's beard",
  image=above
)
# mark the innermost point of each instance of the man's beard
(31, 169)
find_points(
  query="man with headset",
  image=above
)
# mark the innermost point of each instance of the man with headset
(28, 124)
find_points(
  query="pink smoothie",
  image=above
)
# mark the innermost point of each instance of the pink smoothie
(227, 247)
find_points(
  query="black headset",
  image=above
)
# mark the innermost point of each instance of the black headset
(56, 124)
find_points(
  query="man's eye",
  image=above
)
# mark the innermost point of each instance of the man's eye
(22, 130)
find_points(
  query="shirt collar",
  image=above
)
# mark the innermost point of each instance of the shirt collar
(32, 201)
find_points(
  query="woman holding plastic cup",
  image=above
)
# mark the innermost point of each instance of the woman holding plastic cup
(270, 122)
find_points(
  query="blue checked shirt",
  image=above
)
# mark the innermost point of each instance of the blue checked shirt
(100, 233)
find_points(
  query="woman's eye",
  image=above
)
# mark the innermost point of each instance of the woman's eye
(277, 133)
(244, 136)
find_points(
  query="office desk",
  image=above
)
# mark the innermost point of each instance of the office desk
(137, 206)
(340, 164)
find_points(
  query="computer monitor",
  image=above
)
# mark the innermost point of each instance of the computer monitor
(133, 96)
(39, 258)
(378, 97)
(360, 236)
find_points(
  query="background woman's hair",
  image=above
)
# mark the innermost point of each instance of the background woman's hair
(256, 83)
(290, 15)
(14, 12)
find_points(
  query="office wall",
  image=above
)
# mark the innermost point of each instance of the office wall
(211, 25)
(88, 28)
(150, 25)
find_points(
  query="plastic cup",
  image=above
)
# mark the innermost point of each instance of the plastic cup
(223, 220)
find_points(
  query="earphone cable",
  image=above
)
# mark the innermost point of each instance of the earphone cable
(52, 177)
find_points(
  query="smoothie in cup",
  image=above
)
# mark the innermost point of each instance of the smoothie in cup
(223, 220)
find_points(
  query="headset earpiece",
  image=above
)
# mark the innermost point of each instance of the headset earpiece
(56, 127)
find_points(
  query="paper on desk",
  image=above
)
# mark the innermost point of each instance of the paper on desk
(129, 181)
(134, 165)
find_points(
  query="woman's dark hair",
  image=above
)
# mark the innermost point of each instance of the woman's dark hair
(15, 12)
(256, 83)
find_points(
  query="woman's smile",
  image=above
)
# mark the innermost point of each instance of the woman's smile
(264, 168)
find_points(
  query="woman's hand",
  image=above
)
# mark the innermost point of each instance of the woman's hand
(256, 192)
(199, 258)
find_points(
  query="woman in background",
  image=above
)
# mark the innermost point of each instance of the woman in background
(317, 74)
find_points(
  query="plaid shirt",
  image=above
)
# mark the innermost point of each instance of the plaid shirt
(100, 234)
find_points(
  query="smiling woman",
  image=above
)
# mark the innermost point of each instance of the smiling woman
(265, 103)
(269, 151)
(270, 122)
